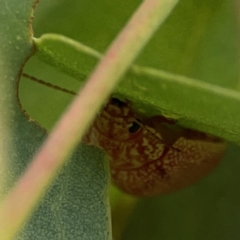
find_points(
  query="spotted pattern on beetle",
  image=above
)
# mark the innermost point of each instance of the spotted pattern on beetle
(155, 158)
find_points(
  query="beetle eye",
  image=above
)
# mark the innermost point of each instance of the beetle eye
(117, 102)
(135, 126)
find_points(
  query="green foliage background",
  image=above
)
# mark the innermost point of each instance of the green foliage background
(199, 40)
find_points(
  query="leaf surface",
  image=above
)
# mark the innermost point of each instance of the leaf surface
(153, 91)
(76, 206)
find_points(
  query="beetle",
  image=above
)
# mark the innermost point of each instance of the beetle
(150, 156)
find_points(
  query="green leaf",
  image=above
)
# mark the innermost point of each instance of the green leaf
(76, 206)
(153, 91)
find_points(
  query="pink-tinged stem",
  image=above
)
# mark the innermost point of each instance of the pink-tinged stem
(17, 206)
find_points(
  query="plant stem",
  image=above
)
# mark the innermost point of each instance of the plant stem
(71, 127)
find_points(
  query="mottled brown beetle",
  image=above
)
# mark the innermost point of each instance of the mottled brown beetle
(153, 156)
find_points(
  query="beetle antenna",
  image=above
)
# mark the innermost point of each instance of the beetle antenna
(47, 84)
